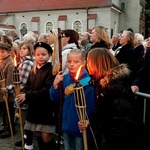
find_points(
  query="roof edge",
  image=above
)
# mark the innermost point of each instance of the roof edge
(6, 13)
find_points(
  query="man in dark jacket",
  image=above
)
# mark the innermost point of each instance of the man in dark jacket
(115, 41)
(139, 50)
(142, 84)
(85, 41)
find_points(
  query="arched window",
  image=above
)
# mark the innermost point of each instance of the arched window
(77, 26)
(49, 26)
(23, 29)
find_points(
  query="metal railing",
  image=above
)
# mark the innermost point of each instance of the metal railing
(146, 96)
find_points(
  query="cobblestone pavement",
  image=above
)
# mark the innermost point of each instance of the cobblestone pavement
(6, 144)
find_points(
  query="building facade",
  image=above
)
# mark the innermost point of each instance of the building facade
(40, 16)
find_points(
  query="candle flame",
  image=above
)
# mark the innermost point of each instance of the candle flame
(15, 61)
(78, 73)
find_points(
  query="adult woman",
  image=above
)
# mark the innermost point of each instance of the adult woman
(52, 37)
(112, 118)
(69, 41)
(100, 38)
(126, 53)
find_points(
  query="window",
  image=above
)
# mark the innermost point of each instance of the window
(23, 29)
(123, 6)
(77, 26)
(49, 26)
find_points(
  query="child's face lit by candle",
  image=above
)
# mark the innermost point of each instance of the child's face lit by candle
(41, 56)
(74, 61)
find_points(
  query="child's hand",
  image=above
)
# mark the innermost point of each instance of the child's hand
(59, 77)
(20, 98)
(83, 124)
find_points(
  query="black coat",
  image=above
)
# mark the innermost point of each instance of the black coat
(143, 77)
(127, 56)
(99, 44)
(139, 54)
(116, 46)
(41, 109)
(112, 120)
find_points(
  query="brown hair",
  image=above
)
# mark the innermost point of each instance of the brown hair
(100, 61)
(74, 36)
(13, 33)
(6, 39)
(29, 46)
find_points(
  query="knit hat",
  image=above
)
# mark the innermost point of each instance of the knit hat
(5, 46)
(44, 45)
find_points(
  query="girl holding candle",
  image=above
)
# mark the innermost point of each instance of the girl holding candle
(71, 133)
(36, 95)
(112, 118)
(26, 61)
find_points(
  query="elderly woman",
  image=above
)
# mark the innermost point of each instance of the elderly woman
(126, 53)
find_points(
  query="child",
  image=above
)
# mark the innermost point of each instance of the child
(112, 118)
(7, 66)
(41, 116)
(72, 136)
(26, 62)
(25, 54)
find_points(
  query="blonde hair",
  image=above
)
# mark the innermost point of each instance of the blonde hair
(79, 52)
(52, 36)
(102, 35)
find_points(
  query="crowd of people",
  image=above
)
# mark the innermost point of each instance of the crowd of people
(111, 71)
